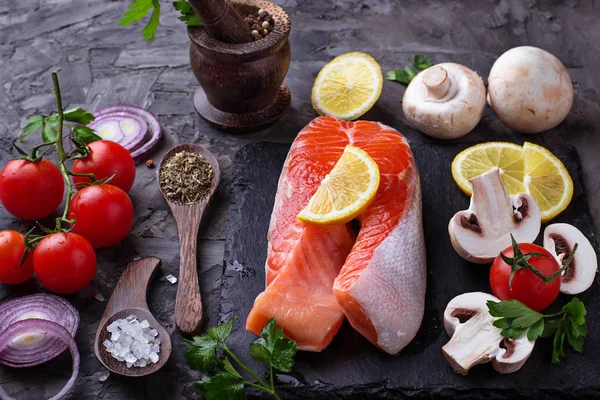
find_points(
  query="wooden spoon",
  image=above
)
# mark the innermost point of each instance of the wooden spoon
(188, 305)
(129, 297)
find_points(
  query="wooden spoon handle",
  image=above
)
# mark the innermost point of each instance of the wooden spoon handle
(133, 285)
(188, 305)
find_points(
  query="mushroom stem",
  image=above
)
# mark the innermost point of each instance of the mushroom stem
(477, 342)
(437, 81)
(491, 202)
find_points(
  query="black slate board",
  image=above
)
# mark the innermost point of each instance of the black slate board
(352, 367)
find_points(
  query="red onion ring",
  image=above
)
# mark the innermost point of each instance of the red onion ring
(37, 306)
(128, 140)
(153, 126)
(36, 325)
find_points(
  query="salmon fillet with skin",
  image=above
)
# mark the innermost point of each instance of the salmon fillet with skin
(381, 285)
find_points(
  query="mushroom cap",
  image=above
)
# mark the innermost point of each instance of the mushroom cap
(480, 233)
(475, 340)
(473, 301)
(561, 238)
(445, 101)
(530, 89)
(513, 354)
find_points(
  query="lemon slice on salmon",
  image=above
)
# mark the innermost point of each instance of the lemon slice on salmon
(345, 192)
(547, 180)
(481, 158)
(348, 86)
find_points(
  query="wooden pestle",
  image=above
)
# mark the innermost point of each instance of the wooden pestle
(221, 21)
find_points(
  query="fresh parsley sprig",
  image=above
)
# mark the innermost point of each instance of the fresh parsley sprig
(406, 74)
(516, 319)
(48, 125)
(187, 13)
(209, 353)
(139, 9)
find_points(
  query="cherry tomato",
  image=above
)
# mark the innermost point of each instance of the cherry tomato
(106, 158)
(103, 214)
(31, 190)
(64, 263)
(12, 249)
(528, 288)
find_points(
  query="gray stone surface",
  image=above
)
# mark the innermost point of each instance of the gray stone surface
(101, 64)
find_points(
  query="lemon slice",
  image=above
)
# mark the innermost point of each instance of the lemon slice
(348, 86)
(479, 159)
(547, 180)
(345, 192)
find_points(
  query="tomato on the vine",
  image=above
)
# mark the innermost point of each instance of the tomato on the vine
(64, 263)
(12, 268)
(31, 190)
(106, 158)
(103, 214)
(527, 287)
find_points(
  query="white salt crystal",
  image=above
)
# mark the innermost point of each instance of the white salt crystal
(133, 341)
(101, 299)
(113, 327)
(171, 278)
(103, 376)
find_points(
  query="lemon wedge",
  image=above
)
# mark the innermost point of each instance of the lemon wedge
(345, 192)
(481, 158)
(547, 180)
(348, 86)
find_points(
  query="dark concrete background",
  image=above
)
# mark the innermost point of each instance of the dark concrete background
(102, 64)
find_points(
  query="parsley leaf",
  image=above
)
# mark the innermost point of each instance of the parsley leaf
(273, 349)
(203, 354)
(400, 75)
(137, 11)
(515, 319)
(48, 131)
(222, 331)
(78, 115)
(85, 134)
(221, 379)
(406, 74)
(421, 62)
(223, 386)
(187, 13)
(34, 123)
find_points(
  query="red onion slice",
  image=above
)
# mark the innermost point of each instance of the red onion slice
(36, 325)
(151, 133)
(38, 346)
(127, 129)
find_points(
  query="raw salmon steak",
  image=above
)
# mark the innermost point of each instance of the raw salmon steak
(316, 274)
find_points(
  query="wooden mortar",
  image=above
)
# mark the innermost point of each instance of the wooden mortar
(241, 86)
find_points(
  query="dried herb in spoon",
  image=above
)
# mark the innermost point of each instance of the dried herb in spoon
(186, 177)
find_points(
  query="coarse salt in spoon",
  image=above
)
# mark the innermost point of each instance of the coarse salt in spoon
(129, 298)
(188, 305)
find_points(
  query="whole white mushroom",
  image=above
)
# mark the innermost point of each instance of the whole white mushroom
(530, 89)
(445, 101)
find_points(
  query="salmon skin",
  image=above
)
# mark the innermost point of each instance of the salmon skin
(317, 274)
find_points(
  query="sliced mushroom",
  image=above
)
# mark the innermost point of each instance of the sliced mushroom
(559, 239)
(480, 233)
(445, 101)
(475, 340)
